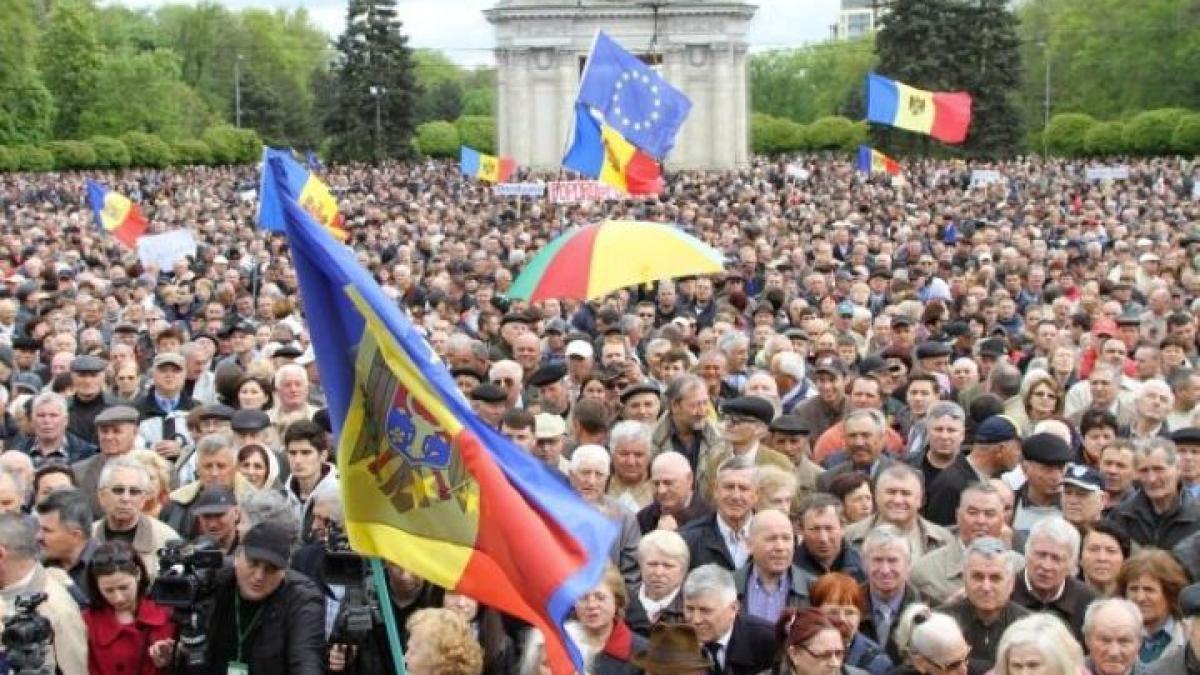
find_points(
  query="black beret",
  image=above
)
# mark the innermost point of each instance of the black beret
(216, 411)
(466, 372)
(548, 374)
(932, 350)
(750, 406)
(1189, 600)
(957, 329)
(1129, 320)
(902, 320)
(1046, 448)
(288, 352)
(488, 393)
(514, 317)
(88, 364)
(26, 343)
(1188, 435)
(639, 388)
(247, 421)
(871, 364)
(993, 347)
(790, 424)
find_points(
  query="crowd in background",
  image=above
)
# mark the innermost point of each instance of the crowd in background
(918, 424)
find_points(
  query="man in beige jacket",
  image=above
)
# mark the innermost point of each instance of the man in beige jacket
(124, 484)
(21, 574)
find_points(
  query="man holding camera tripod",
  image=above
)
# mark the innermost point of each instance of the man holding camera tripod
(265, 618)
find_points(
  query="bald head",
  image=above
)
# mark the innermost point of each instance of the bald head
(670, 463)
(768, 520)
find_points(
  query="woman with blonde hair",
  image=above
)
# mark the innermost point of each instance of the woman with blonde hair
(440, 642)
(1040, 643)
(600, 630)
(159, 494)
(1041, 398)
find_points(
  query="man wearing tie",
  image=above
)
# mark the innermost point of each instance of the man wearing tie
(737, 644)
(888, 560)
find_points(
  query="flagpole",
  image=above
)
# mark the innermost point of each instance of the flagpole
(578, 87)
(389, 615)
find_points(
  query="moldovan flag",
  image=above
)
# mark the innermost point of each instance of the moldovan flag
(485, 167)
(116, 214)
(427, 484)
(944, 115)
(871, 160)
(313, 195)
(599, 151)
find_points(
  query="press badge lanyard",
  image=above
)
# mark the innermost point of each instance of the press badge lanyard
(239, 666)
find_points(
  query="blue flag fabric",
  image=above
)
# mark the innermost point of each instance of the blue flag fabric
(634, 100)
(312, 161)
(270, 203)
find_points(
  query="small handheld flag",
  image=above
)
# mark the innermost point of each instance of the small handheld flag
(871, 160)
(313, 195)
(426, 483)
(485, 167)
(632, 98)
(599, 151)
(944, 115)
(116, 214)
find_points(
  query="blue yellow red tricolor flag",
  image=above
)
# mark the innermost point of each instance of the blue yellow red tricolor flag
(427, 484)
(116, 214)
(311, 193)
(944, 115)
(485, 167)
(871, 160)
(601, 152)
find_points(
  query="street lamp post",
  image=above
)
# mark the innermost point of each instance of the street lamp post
(237, 90)
(1046, 98)
(378, 93)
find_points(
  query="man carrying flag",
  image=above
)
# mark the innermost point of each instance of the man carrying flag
(428, 485)
(626, 120)
(116, 214)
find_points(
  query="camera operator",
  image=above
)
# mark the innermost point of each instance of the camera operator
(217, 516)
(65, 535)
(265, 617)
(21, 574)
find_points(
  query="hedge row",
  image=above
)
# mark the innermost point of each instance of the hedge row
(443, 139)
(1168, 131)
(217, 145)
(776, 135)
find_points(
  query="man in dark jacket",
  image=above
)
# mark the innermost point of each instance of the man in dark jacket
(90, 397)
(1159, 514)
(265, 616)
(1046, 584)
(722, 538)
(737, 644)
(986, 610)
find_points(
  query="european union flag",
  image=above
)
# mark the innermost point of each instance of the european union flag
(634, 100)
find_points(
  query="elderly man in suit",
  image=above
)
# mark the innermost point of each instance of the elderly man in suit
(865, 441)
(737, 644)
(938, 575)
(898, 496)
(888, 590)
(771, 581)
(116, 430)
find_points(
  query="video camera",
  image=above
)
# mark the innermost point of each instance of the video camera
(359, 612)
(27, 636)
(187, 576)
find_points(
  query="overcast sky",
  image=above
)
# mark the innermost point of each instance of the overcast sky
(457, 27)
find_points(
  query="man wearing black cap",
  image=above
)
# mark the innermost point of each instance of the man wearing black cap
(996, 449)
(265, 617)
(744, 422)
(641, 402)
(1045, 457)
(551, 384)
(490, 402)
(241, 338)
(1083, 496)
(217, 515)
(826, 408)
(1159, 514)
(90, 397)
(790, 437)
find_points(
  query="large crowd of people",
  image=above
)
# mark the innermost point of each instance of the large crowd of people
(927, 424)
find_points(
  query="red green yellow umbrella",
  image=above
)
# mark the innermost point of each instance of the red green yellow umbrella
(595, 260)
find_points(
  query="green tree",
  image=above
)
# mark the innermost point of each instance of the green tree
(72, 154)
(143, 92)
(26, 106)
(946, 45)
(478, 132)
(374, 86)
(110, 152)
(147, 150)
(9, 160)
(1186, 138)
(438, 139)
(479, 101)
(816, 81)
(1105, 139)
(1067, 133)
(1150, 132)
(70, 58)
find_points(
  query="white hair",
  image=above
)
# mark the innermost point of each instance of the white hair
(1046, 633)
(1131, 612)
(710, 579)
(630, 431)
(1058, 531)
(290, 369)
(589, 455)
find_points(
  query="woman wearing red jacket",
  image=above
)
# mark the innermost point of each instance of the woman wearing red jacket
(127, 631)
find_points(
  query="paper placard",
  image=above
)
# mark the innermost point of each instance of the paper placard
(572, 191)
(980, 177)
(519, 189)
(164, 249)
(1095, 174)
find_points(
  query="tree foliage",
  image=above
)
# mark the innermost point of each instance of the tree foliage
(70, 59)
(1105, 138)
(1186, 138)
(1151, 132)
(26, 106)
(478, 132)
(817, 81)
(946, 45)
(1067, 133)
(438, 139)
(374, 86)
(143, 91)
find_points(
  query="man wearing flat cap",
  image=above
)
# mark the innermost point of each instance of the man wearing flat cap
(744, 424)
(116, 428)
(641, 402)
(1044, 461)
(1183, 659)
(789, 436)
(551, 383)
(90, 397)
(996, 448)
(164, 408)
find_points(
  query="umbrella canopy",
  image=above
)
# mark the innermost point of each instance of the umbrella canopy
(596, 260)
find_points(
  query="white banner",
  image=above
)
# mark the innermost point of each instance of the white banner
(519, 189)
(164, 249)
(798, 172)
(1095, 174)
(572, 191)
(985, 177)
